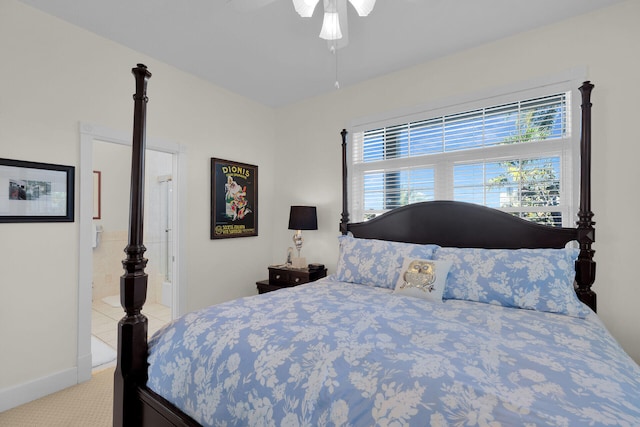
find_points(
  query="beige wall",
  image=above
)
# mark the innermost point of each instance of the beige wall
(54, 75)
(602, 42)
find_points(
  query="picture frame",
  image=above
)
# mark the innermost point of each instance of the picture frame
(36, 192)
(234, 199)
(97, 196)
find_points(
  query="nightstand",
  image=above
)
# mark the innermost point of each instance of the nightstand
(283, 277)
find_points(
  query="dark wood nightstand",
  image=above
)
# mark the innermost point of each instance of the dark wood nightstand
(283, 277)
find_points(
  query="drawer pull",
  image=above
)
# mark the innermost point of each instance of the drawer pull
(277, 276)
(297, 279)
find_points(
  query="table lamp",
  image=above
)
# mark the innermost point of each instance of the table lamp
(301, 218)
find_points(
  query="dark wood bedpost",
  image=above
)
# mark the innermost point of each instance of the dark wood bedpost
(585, 266)
(345, 207)
(131, 369)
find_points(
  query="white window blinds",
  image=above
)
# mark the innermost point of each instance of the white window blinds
(514, 155)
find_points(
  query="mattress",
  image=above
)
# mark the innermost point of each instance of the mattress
(344, 354)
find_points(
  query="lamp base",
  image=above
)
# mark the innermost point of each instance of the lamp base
(297, 262)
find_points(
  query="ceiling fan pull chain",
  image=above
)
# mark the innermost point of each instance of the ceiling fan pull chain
(337, 83)
(334, 51)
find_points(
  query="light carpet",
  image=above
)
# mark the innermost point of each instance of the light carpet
(89, 404)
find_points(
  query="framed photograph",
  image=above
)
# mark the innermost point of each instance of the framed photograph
(36, 192)
(97, 187)
(234, 199)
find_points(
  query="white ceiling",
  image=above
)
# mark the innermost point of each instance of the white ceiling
(273, 56)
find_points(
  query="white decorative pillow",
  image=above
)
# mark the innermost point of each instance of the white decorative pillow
(534, 279)
(375, 262)
(423, 278)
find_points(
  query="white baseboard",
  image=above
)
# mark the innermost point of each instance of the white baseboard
(23, 393)
(84, 368)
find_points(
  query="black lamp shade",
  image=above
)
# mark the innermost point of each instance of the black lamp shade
(303, 218)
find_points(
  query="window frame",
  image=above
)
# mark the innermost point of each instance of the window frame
(567, 148)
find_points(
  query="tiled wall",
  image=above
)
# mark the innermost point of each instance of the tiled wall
(107, 266)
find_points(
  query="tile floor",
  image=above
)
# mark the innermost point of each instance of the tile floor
(105, 318)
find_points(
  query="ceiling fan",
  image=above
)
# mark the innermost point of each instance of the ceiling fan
(334, 25)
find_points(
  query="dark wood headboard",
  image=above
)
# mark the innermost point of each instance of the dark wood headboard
(467, 225)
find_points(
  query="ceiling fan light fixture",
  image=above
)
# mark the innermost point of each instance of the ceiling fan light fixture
(305, 8)
(334, 12)
(331, 26)
(363, 7)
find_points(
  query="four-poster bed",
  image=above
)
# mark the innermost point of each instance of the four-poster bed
(348, 350)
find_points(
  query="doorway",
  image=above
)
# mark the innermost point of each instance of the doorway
(112, 163)
(103, 236)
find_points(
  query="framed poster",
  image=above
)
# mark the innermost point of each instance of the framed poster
(36, 192)
(234, 199)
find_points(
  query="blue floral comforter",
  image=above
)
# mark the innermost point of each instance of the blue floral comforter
(338, 354)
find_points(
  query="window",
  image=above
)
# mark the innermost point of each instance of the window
(513, 152)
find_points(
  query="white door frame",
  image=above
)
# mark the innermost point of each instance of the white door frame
(89, 133)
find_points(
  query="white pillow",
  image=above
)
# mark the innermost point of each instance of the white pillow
(423, 278)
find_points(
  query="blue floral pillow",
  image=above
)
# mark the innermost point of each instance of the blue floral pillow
(376, 262)
(534, 279)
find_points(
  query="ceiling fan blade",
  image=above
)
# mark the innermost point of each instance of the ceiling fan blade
(363, 7)
(305, 8)
(248, 5)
